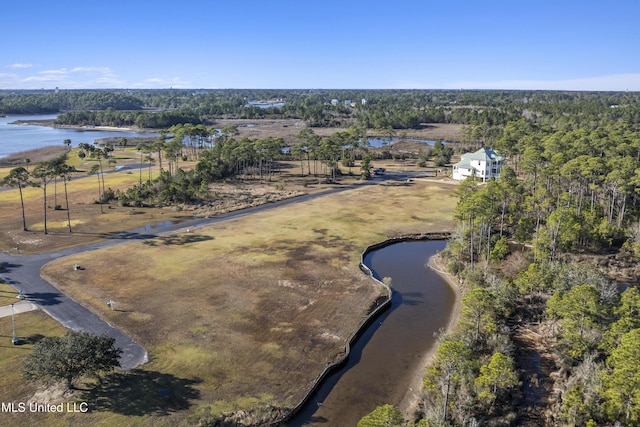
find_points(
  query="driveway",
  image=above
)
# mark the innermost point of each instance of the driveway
(23, 273)
(18, 307)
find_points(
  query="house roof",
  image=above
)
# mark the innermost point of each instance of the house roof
(464, 163)
(482, 154)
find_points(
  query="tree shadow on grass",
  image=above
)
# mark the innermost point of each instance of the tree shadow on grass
(20, 341)
(32, 339)
(178, 239)
(139, 392)
(398, 184)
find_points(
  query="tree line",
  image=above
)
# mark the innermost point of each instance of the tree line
(141, 119)
(27, 102)
(483, 111)
(220, 156)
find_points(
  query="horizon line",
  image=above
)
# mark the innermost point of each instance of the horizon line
(56, 89)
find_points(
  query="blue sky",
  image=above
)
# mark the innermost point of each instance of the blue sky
(399, 44)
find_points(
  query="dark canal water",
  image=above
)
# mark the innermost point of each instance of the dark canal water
(385, 359)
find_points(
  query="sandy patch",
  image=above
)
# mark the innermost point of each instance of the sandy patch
(409, 403)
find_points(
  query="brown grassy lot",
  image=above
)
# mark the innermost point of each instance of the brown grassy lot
(246, 313)
(89, 224)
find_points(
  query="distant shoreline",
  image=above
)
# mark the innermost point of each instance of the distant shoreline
(51, 123)
(35, 155)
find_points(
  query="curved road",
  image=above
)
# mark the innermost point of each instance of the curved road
(23, 273)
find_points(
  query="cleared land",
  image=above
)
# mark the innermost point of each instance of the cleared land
(246, 313)
(238, 315)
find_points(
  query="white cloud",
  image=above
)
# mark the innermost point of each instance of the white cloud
(80, 77)
(42, 78)
(91, 70)
(96, 77)
(19, 66)
(110, 81)
(60, 72)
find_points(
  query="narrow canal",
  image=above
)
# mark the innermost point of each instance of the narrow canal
(385, 360)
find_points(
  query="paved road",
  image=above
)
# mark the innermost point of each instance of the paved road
(23, 273)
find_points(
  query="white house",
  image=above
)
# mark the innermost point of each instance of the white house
(484, 163)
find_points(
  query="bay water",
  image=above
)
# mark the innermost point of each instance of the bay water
(15, 138)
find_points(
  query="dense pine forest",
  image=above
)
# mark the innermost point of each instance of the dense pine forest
(547, 255)
(532, 251)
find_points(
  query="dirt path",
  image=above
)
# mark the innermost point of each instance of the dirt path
(536, 364)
